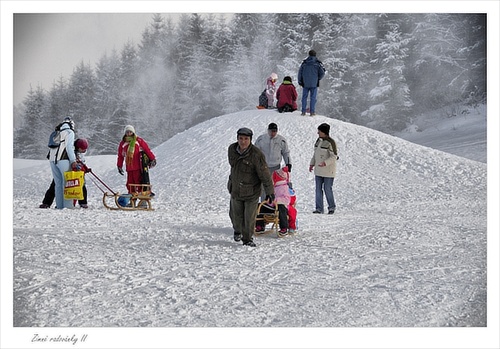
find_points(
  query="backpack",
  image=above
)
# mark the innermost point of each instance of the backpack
(55, 137)
(263, 99)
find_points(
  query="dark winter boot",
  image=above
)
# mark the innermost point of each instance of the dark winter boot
(237, 236)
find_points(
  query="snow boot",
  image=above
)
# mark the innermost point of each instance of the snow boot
(237, 236)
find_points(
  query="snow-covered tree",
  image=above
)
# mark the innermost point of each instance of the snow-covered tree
(81, 90)
(381, 69)
(57, 101)
(108, 105)
(393, 103)
(153, 96)
(30, 140)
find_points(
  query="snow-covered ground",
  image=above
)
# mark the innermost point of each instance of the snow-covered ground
(459, 130)
(406, 249)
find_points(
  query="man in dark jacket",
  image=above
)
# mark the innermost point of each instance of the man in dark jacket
(311, 71)
(248, 173)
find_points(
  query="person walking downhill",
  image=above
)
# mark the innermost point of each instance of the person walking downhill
(324, 163)
(311, 71)
(249, 173)
(274, 147)
(62, 158)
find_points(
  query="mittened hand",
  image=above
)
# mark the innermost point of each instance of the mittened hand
(152, 163)
(75, 166)
(120, 170)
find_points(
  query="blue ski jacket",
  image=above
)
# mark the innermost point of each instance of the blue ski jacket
(311, 71)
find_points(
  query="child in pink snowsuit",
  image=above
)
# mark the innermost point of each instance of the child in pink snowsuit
(281, 179)
(271, 90)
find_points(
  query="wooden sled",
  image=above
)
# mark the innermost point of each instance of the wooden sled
(138, 200)
(268, 218)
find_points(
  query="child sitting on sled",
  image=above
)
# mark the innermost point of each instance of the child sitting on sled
(281, 180)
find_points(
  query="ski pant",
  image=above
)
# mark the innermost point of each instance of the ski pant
(313, 91)
(270, 99)
(324, 184)
(134, 177)
(50, 194)
(59, 182)
(243, 214)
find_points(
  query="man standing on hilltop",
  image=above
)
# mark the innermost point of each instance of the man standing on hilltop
(311, 71)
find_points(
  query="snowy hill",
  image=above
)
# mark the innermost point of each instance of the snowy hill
(459, 130)
(405, 248)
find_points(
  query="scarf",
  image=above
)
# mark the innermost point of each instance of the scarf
(131, 148)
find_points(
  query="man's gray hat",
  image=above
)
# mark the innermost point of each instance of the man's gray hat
(244, 131)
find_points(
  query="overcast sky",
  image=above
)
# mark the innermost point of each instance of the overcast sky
(47, 46)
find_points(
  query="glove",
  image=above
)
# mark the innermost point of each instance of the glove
(270, 198)
(152, 163)
(311, 167)
(120, 170)
(85, 168)
(75, 166)
(289, 167)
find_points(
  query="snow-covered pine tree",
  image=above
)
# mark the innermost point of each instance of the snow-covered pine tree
(30, 141)
(108, 105)
(391, 95)
(81, 91)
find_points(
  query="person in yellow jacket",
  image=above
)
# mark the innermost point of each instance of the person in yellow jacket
(324, 163)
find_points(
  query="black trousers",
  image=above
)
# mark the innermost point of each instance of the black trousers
(282, 215)
(50, 195)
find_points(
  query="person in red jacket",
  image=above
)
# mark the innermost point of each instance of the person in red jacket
(287, 96)
(132, 150)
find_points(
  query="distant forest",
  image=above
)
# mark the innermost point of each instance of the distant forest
(382, 70)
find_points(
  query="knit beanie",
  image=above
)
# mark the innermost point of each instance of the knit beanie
(272, 126)
(325, 128)
(312, 53)
(280, 175)
(287, 78)
(129, 128)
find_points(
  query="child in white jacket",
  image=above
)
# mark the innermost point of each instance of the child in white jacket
(271, 89)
